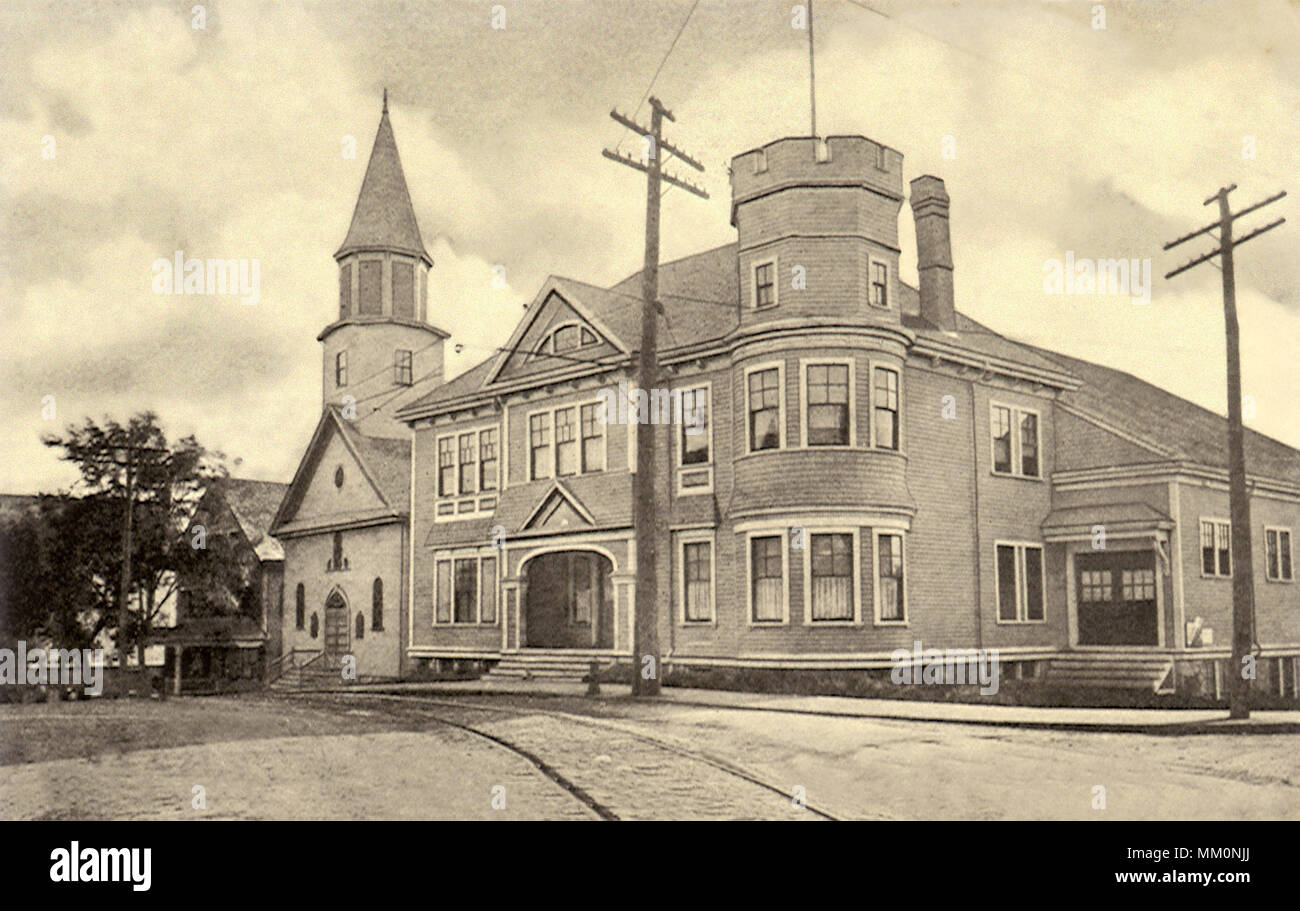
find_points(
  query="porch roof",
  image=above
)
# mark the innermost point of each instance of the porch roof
(1115, 517)
(235, 631)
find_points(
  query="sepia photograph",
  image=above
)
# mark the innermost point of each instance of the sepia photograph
(880, 411)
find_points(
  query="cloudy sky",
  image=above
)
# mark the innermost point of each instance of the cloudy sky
(127, 133)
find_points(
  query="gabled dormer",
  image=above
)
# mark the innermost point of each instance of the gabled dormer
(560, 331)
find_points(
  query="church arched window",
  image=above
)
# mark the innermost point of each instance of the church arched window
(299, 607)
(377, 604)
(361, 625)
(315, 625)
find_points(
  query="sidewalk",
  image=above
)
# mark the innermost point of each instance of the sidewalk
(1114, 720)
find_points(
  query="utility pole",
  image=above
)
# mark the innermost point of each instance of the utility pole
(129, 450)
(125, 590)
(812, 74)
(645, 631)
(1243, 580)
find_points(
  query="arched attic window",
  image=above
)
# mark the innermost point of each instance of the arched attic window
(565, 338)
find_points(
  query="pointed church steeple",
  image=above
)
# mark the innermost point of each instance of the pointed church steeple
(382, 339)
(384, 219)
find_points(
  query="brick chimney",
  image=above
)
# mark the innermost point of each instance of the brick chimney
(933, 251)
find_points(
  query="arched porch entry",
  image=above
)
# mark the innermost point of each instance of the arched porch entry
(568, 600)
(336, 628)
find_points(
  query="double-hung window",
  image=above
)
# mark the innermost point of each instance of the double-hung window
(1020, 583)
(539, 445)
(593, 438)
(695, 426)
(764, 409)
(446, 466)
(879, 285)
(891, 605)
(832, 577)
(465, 590)
(767, 579)
(467, 457)
(827, 403)
(765, 285)
(402, 367)
(884, 404)
(1277, 555)
(1016, 441)
(566, 442)
(1216, 548)
(697, 581)
(487, 459)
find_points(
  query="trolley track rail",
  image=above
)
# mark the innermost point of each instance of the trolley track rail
(438, 710)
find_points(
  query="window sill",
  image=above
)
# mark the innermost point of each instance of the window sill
(843, 624)
(1001, 622)
(899, 623)
(1016, 477)
(1280, 581)
(465, 624)
(754, 453)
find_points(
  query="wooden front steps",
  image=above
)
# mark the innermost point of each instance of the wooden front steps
(1112, 671)
(550, 665)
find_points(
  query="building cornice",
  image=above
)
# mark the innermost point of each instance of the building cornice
(937, 351)
(1181, 471)
(377, 319)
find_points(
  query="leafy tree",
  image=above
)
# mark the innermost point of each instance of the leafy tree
(136, 467)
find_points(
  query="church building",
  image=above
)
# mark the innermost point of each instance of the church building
(853, 466)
